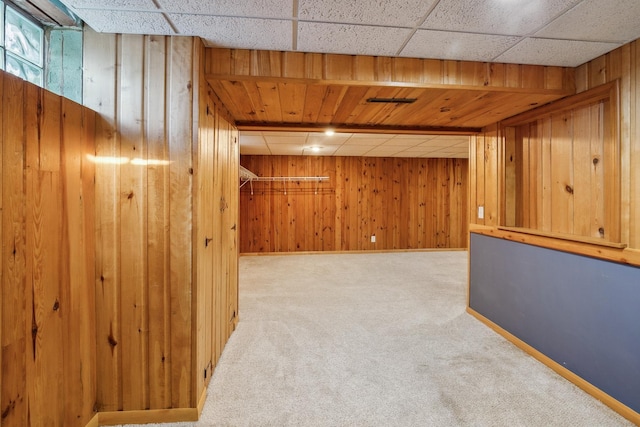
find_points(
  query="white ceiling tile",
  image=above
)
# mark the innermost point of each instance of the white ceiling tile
(112, 4)
(460, 46)
(251, 140)
(368, 139)
(241, 33)
(402, 142)
(352, 150)
(401, 13)
(290, 138)
(246, 8)
(285, 150)
(383, 151)
(564, 53)
(348, 39)
(127, 22)
(507, 17)
(326, 140)
(597, 20)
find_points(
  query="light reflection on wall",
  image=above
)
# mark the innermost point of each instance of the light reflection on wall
(110, 160)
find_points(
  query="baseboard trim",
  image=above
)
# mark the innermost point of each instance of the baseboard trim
(173, 415)
(373, 251)
(201, 402)
(587, 387)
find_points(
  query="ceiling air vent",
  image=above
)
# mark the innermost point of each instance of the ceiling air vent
(392, 100)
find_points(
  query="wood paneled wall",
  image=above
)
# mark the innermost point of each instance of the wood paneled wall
(153, 196)
(489, 155)
(623, 64)
(216, 241)
(47, 317)
(405, 203)
(562, 167)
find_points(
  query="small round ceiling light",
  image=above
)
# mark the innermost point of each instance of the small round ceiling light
(329, 132)
(315, 149)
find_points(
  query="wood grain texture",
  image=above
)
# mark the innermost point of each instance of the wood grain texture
(622, 64)
(566, 176)
(47, 322)
(405, 203)
(165, 166)
(263, 88)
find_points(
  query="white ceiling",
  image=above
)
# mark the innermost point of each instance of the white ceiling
(544, 32)
(353, 144)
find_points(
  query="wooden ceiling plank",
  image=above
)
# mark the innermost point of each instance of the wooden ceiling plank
(313, 103)
(366, 70)
(292, 101)
(270, 95)
(332, 98)
(253, 94)
(351, 100)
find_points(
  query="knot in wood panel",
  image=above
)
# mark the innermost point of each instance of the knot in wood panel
(568, 189)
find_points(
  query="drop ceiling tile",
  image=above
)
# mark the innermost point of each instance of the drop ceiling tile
(439, 143)
(352, 150)
(350, 39)
(563, 53)
(367, 139)
(402, 142)
(285, 150)
(240, 33)
(597, 20)
(112, 5)
(126, 22)
(246, 8)
(290, 139)
(382, 151)
(251, 140)
(512, 17)
(326, 140)
(400, 13)
(459, 46)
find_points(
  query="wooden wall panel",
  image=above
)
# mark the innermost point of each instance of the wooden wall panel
(142, 88)
(405, 203)
(623, 64)
(166, 254)
(47, 321)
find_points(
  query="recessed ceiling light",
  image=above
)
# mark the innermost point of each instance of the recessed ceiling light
(315, 149)
(329, 132)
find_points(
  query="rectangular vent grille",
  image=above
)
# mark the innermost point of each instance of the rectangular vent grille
(392, 100)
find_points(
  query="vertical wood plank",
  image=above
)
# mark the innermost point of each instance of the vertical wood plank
(77, 268)
(561, 176)
(180, 98)
(158, 266)
(16, 319)
(133, 231)
(99, 95)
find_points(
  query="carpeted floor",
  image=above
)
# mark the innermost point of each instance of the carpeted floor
(378, 340)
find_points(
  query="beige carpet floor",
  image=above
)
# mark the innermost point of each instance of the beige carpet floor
(378, 340)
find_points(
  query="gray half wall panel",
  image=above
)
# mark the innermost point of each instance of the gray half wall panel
(583, 313)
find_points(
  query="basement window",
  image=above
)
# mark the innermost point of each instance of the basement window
(21, 45)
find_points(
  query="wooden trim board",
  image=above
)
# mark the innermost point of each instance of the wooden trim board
(145, 416)
(598, 251)
(587, 387)
(381, 251)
